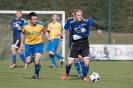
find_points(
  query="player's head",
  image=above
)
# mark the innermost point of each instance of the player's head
(73, 12)
(55, 17)
(78, 14)
(33, 18)
(18, 14)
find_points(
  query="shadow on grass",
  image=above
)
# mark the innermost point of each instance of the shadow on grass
(32, 78)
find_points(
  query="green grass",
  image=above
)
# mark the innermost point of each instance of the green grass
(113, 74)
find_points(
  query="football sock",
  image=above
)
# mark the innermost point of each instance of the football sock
(58, 56)
(68, 69)
(85, 71)
(53, 60)
(14, 57)
(22, 57)
(37, 69)
(77, 66)
(82, 64)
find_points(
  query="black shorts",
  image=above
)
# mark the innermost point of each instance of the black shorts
(16, 43)
(79, 48)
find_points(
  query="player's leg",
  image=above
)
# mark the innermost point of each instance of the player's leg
(38, 49)
(13, 50)
(72, 55)
(77, 66)
(68, 67)
(37, 65)
(86, 56)
(17, 44)
(51, 56)
(22, 57)
(28, 54)
(54, 46)
(32, 59)
(81, 62)
(53, 61)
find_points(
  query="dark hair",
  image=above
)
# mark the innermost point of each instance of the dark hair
(32, 14)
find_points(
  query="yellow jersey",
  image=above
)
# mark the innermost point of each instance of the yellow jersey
(34, 33)
(54, 28)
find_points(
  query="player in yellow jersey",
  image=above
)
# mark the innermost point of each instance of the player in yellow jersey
(54, 29)
(33, 42)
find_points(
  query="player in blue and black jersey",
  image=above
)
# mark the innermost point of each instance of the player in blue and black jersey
(70, 40)
(80, 46)
(16, 27)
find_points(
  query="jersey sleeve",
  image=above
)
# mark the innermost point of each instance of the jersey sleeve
(90, 22)
(67, 25)
(23, 30)
(23, 27)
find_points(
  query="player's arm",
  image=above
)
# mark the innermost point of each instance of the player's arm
(66, 27)
(99, 29)
(22, 39)
(62, 33)
(46, 33)
(10, 26)
(96, 26)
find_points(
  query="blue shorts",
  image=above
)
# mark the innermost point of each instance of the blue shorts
(52, 46)
(31, 49)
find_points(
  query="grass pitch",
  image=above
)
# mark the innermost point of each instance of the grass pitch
(113, 74)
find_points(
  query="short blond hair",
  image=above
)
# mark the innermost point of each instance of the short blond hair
(77, 10)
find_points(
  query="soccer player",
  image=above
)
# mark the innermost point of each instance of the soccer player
(70, 40)
(16, 27)
(80, 32)
(33, 42)
(54, 29)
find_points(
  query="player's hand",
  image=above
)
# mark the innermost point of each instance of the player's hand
(22, 46)
(50, 40)
(10, 26)
(19, 28)
(61, 39)
(99, 31)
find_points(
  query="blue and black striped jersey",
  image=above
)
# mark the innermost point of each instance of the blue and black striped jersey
(15, 24)
(81, 30)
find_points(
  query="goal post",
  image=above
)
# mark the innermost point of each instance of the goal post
(62, 13)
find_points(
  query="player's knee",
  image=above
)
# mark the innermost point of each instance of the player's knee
(70, 61)
(27, 61)
(13, 50)
(51, 53)
(86, 62)
(18, 51)
(36, 63)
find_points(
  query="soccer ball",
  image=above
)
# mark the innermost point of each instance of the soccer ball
(94, 77)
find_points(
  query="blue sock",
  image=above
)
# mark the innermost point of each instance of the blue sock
(85, 71)
(22, 57)
(37, 69)
(14, 57)
(68, 69)
(58, 56)
(77, 66)
(53, 60)
(82, 64)
(32, 59)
